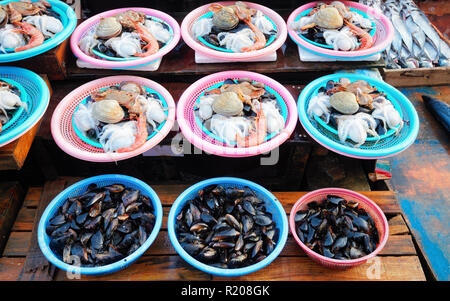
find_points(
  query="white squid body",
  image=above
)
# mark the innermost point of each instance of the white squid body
(202, 27)
(119, 135)
(154, 110)
(205, 110)
(320, 106)
(275, 122)
(83, 118)
(48, 25)
(341, 40)
(385, 111)
(10, 101)
(301, 22)
(10, 39)
(356, 127)
(228, 127)
(88, 42)
(127, 45)
(235, 41)
(158, 31)
(359, 19)
(260, 21)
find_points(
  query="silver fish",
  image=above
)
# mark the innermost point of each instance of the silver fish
(430, 51)
(422, 21)
(401, 28)
(417, 35)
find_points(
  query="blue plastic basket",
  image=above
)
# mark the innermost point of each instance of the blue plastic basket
(306, 12)
(79, 188)
(210, 14)
(272, 204)
(95, 143)
(369, 150)
(69, 21)
(23, 97)
(280, 103)
(38, 96)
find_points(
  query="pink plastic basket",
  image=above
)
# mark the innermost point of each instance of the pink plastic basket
(192, 42)
(383, 36)
(193, 133)
(67, 139)
(364, 202)
(87, 25)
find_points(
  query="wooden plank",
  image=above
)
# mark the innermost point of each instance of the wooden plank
(36, 267)
(13, 155)
(150, 268)
(17, 245)
(32, 197)
(417, 76)
(385, 199)
(24, 220)
(397, 225)
(406, 268)
(10, 268)
(11, 197)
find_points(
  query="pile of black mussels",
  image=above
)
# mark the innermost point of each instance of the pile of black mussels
(337, 229)
(226, 227)
(101, 226)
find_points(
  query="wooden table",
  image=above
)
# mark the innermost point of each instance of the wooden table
(399, 260)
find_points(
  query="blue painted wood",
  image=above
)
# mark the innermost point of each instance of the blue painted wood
(421, 176)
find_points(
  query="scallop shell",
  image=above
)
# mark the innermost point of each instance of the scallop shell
(344, 102)
(225, 19)
(328, 17)
(108, 111)
(228, 104)
(108, 28)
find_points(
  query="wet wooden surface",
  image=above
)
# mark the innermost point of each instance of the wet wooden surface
(399, 260)
(421, 176)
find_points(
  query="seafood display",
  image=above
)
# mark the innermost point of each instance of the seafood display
(337, 228)
(102, 225)
(240, 112)
(335, 26)
(130, 34)
(10, 101)
(120, 118)
(236, 28)
(226, 227)
(25, 25)
(356, 110)
(417, 43)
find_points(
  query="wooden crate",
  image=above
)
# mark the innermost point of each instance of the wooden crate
(399, 260)
(411, 77)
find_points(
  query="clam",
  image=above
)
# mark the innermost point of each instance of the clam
(108, 111)
(228, 104)
(344, 102)
(225, 19)
(329, 18)
(131, 87)
(108, 28)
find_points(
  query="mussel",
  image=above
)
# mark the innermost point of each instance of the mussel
(226, 227)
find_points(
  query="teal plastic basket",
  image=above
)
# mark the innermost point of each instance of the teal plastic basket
(210, 14)
(67, 17)
(306, 12)
(280, 104)
(95, 143)
(386, 147)
(38, 96)
(389, 132)
(17, 112)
